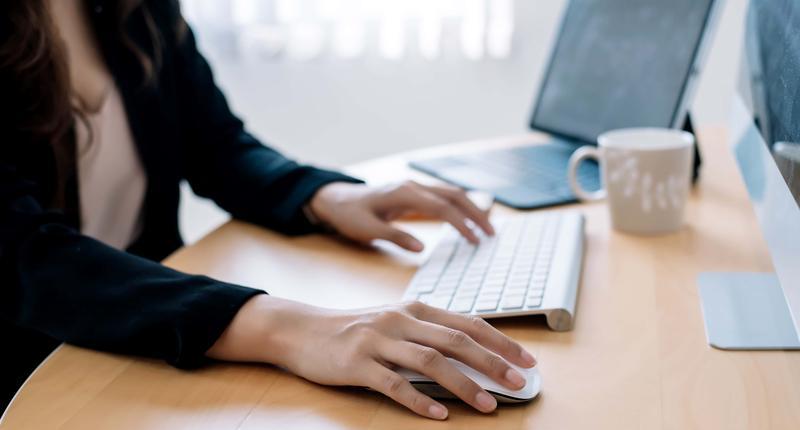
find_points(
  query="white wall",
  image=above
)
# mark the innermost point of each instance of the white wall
(333, 111)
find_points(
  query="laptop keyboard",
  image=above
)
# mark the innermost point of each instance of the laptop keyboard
(541, 167)
(525, 176)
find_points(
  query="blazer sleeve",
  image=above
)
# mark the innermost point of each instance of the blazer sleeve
(77, 290)
(227, 164)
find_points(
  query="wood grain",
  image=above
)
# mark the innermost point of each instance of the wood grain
(636, 359)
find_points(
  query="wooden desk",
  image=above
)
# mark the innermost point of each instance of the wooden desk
(637, 357)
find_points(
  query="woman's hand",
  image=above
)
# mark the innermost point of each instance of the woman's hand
(364, 213)
(363, 348)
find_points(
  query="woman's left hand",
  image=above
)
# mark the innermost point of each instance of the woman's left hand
(363, 213)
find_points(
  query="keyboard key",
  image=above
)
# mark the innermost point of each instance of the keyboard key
(487, 289)
(495, 288)
(471, 289)
(536, 287)
(455, 277)
(428, 276)
(533, 302)
(534, 296)
(486, 305)
(471, 285)
(543, 270)
(495, 296)
(440, 302)
(516, 289)
(423, 287)
(447, 284)
(513, 301)
(518, 281)
(462, 302)
(473, 277)
(461, 306)
(494, 278)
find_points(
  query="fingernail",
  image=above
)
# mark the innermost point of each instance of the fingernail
(416, 245)
(485, 401)
(438, 412)
(515, 378)
(528, 358)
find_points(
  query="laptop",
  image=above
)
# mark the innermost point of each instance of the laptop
(616, 64)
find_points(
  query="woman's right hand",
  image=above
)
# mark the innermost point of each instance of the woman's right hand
(363, 348)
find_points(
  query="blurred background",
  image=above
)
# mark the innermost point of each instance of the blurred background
(333, 82)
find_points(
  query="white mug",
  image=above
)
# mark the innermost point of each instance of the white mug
(646, 175)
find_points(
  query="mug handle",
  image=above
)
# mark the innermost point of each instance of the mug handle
(575, 160)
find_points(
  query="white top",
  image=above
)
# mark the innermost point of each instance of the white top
(111, 179)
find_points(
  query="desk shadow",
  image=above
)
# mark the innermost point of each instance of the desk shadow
(303, 404)
(254, 396)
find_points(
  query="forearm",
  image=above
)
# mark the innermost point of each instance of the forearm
(78, 290)
(256, 184)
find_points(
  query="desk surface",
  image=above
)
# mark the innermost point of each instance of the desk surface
(637, 357)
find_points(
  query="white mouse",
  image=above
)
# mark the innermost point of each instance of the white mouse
(533, 383)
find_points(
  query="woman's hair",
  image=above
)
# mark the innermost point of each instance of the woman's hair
(36, 99)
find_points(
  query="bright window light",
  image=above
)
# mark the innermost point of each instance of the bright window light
(303, 30)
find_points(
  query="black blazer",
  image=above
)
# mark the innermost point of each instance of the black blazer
(59, 286)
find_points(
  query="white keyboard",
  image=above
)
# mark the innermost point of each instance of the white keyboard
(531, 266)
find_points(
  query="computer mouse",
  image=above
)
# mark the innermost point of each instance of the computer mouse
(527, 393)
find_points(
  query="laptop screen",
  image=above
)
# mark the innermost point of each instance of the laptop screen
(620, 63)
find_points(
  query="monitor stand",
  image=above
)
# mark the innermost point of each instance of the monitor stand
(746, 311)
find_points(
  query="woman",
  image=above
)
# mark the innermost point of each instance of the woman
(106, 106)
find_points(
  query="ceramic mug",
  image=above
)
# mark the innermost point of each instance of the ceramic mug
(646, 175)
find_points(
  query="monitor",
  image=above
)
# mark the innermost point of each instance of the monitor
(622, 63)
(762, 310)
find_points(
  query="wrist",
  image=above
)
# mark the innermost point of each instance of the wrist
(253, 335)
(320, 204)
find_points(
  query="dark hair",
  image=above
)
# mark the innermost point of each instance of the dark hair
(34, 78)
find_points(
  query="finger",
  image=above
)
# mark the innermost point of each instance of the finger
(459, 198)
(457, 344)
(430, 204)
(401, 391)
(457, 219)
(432, 363)
(375, 228)
(479, 330)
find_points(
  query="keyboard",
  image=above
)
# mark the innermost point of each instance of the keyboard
(531, 266)
(524, 177)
